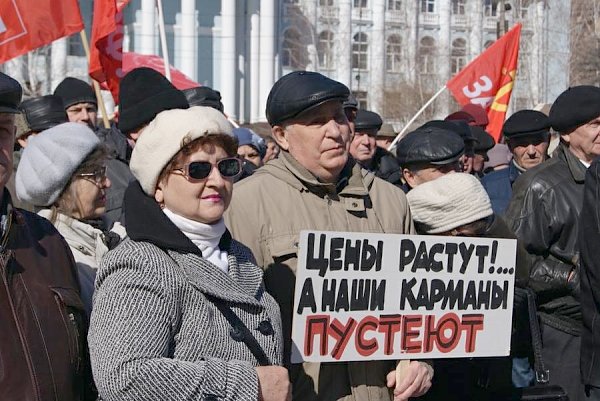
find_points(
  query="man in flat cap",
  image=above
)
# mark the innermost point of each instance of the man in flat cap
(483, 143)
(43, 343)
(326, 189)
(460, 127)
(545, 214)
(385, 136)
(79, 101)
(365, 151)
(428, 153)
(527, 133)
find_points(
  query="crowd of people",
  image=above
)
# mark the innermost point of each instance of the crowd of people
(155, 259)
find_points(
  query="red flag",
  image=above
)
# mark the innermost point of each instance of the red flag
(179, 80)
(488, 80)
(106, 50)
(26, 25)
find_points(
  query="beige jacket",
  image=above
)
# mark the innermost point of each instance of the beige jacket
(267, 213)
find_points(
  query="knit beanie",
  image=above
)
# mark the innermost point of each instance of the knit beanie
(73, 91)
(49, 161)
(143, 93)
(449, 202)
(163, 138)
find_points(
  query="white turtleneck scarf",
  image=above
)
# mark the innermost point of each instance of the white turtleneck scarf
(205, 236)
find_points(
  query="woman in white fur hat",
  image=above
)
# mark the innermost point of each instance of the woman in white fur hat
(63, 172)
(180, 309)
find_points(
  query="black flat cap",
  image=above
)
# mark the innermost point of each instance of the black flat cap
(526, 122)
(10, 94)
(204, 96)
(430, 145)
(299, 91)
(351, 102)
(366, 119)
(574, 107)
(484, 140)
(41, 113)
(73, 91)
(459, 127)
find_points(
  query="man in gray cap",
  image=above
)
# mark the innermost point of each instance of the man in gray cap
(42, 346)
(527, 133)
(545, 214)
(365, 151)
(316, 179)
(428, 153)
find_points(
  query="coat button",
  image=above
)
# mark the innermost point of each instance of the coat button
(265, 328)
(236, 333)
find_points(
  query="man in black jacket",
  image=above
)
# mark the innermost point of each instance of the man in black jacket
(544, 213)
(365, 151)
(589, 238)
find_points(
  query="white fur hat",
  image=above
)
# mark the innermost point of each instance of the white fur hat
(163, 138)
(49, 161)
(449, 202)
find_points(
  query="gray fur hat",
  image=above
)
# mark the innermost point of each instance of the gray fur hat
(49, 161)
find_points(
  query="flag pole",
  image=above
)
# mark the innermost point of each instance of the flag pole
(412, 120)
(163, 39)
(99, 99)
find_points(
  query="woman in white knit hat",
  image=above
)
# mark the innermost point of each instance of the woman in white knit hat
(63, 172)
(180, 310)
(458, 205)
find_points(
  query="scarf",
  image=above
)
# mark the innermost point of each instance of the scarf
(205, 236)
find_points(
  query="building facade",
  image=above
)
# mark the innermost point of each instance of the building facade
(393, 54)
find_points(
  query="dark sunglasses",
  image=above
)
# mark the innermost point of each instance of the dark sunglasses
(228, 168)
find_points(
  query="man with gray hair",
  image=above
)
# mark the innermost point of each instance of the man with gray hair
(327, 190)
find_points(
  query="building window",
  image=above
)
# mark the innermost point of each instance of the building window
(290, 49)
(458, 56)
(325, 50)
(326, 3)
(393, 53)
(489, 8)
(427, 6)
(362, 99)
(488, 44)
(394, 5)
(523, 8)
(458, 7)
(360, 3)
(360, 51)
(75, 46)
(427, 56)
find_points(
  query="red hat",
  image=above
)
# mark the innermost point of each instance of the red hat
(478, 113)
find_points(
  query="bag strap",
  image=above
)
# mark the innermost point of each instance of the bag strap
(245, 333)
(542, 375)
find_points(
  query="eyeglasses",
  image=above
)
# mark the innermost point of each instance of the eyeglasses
(96, 177)
(199, 170)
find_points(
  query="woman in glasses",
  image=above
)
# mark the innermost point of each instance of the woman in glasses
(180, 310)
(63, 172)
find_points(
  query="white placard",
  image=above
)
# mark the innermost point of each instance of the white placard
(364, 296)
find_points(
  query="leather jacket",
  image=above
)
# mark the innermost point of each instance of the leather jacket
(544, 214)
(43, 352)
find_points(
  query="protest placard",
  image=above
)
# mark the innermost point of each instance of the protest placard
(386, 296)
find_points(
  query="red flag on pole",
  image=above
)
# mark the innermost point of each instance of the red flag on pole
(106, 50)
(26, 25)
(488, 80)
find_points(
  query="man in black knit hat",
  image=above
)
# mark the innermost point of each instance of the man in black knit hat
(79, 100)
(144, 93)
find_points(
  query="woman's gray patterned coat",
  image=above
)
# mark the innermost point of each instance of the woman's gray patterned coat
(154, 335)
